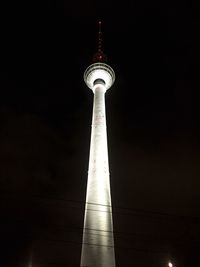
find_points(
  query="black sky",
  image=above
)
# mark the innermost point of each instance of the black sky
(153, 130)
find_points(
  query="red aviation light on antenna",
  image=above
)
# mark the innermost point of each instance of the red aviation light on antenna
(99, 57)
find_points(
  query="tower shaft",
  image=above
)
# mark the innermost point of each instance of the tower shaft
(98, 243)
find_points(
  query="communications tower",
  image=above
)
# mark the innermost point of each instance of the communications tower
(98, 242)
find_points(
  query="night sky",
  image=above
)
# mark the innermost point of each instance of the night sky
(152, 122)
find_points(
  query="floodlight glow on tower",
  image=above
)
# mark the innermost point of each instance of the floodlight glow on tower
(98, 242)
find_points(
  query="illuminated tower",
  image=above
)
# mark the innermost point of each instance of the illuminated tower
(98, 244)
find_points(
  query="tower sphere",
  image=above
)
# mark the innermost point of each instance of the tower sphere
(99, 73)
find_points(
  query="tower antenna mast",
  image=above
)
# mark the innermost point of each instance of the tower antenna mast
(99, 56)
(100, 38)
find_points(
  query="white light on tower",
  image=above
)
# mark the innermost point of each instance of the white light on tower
(98, 242)
(170, 264)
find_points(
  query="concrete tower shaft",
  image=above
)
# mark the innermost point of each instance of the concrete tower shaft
(98, 242)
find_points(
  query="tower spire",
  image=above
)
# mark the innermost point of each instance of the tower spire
(99, 56)
(100, 37)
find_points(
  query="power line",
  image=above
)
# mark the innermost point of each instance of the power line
(100, 245)
(130, 211)
(123, 235)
